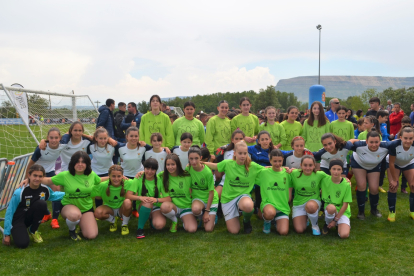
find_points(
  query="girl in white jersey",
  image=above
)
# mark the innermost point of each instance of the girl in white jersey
(401, 159)
(293, 158)
(47, 159)
(366, 165)
(182, 151)
(158, 152)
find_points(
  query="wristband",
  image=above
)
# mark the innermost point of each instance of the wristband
(336, 219)
(206, 210)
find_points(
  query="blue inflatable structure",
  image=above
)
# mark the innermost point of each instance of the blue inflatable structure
(316, 94)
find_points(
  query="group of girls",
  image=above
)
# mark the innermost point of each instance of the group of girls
(155, 183)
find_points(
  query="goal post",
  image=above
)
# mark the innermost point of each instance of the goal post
(45, 110)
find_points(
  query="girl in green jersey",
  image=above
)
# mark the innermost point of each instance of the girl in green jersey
(218, 130)
(241, 174)
(177, 183)
(342, 127)
(292, 127)
(247, 122)
(315, 127)
(307, 200)
(369, 123)
(336, 193)
(205, 198)
(147, 189)
(276, 194)
(189, 124)
(112, 193)
(277, 132)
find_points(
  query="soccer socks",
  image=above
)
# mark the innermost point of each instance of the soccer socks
(125, 220)
(171, 215)
(313, 218)
(328, 217)
(411, 202)
(144, 214)
(392, 200)
(360, 195)
(56, 205)
(247, 216)
(111, 219)
(72, 224)
(373, 199)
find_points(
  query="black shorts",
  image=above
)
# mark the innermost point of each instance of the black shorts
(355, 165)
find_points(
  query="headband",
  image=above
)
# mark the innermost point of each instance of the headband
(336, 162)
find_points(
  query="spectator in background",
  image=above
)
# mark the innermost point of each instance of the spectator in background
(118, 118)
(390, 106)
(132, 109)
(163, 107)
(167, 109)
(203, 119)
(331, 114)
(374, 103)
(359, 114)
(412, 114)
(395, 119)
(349, 116)
(173, 117)
(106, 117)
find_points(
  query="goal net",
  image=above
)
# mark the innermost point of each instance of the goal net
(45, 110)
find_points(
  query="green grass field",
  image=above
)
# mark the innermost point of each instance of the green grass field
(375, 247)
(16, 140)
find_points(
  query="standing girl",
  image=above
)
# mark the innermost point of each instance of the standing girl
(366, 165)
(114, 205)
(218, 129)
(401, 159)
(47, 159)
(292, 127)
(342, 127)
(277, 132)
(369, 123)
(157, 152)
(337, 195)
(315, 127)
(177, 183)
(189, 124)
(204, 198)
(241, 173)
(182, 151)
(307, 199)
(246, 122)
(156, 121)
(276, 193)
(148, 190)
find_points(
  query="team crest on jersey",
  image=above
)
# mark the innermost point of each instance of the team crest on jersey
(338, 194)
(246, 174)
(313, 184)
(203, 181)
(86, 183)
(42, 195)
(83, 148)
(162, 159)
(284, 180)
(139, 153)
(27, 202)
(378, 156)
(181, 184)
(107, 151)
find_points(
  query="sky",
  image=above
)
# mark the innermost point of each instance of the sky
(130, 50)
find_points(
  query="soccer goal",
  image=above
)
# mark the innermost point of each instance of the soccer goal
(21, 129)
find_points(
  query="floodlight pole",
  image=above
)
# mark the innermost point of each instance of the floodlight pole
(319, 27)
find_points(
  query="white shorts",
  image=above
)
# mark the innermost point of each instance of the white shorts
(155, 208)
(279, 214)
(231, 209)
(343, 219)
(116, 212)
(213, 207)
(183, 212)
(222, 181)
(300, 209)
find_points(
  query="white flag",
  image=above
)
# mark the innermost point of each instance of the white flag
(20, 100)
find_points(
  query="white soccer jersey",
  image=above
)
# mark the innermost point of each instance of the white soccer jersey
(227, 155)
(101, 158)
(326, 157)
(291, 160)
(159, 156)
(47, 158)
(70, 149)
(366, 158)
(131, 159)
(183, 155)
(403, 157)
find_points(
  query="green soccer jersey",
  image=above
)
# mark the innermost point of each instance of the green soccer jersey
(202, 183)
(194, 126)
(337, 194)
(114, 200)
(238, 180)
(161, 123)
(291, 131)
(363, 135)
(78, 189)
(274, 189)
(179, 190)
(248, 124)
(277, 133)
(345, 129)
(218, 133)
(306, 187)
(135, 186)
(313, 134)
